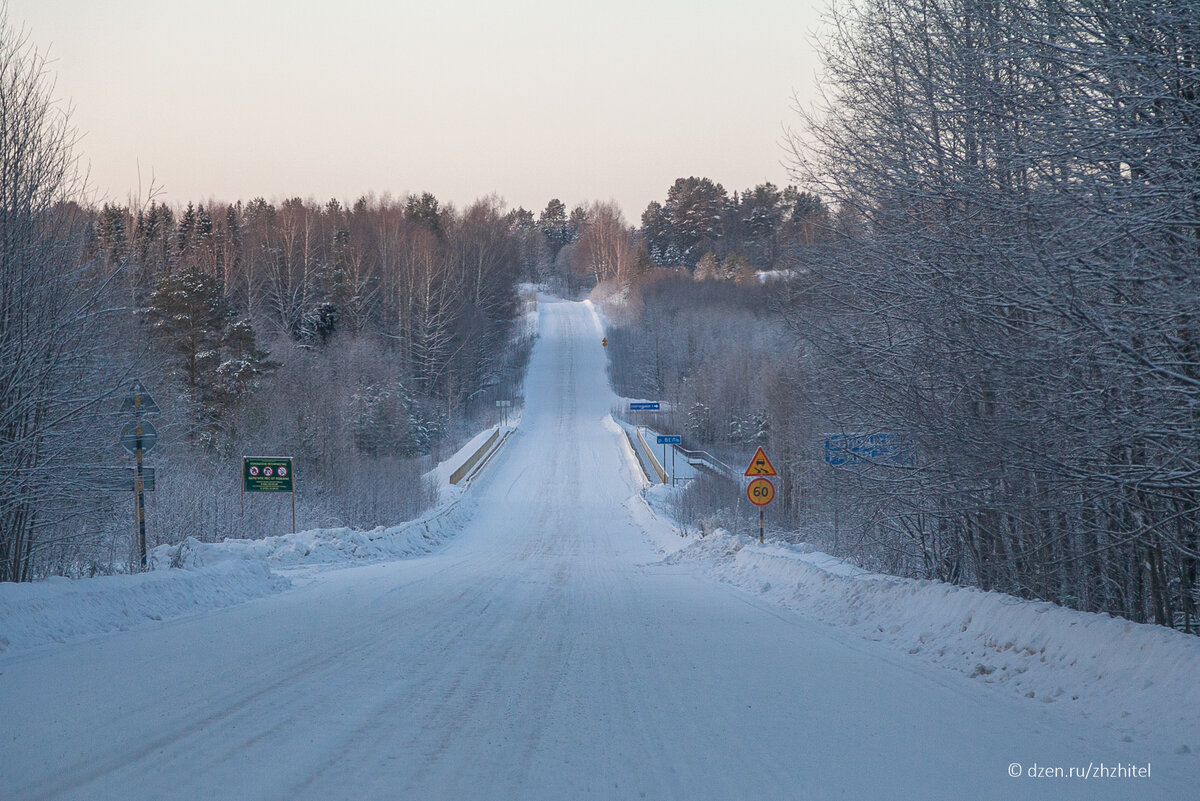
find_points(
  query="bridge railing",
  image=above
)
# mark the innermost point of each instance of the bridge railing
(706, 459)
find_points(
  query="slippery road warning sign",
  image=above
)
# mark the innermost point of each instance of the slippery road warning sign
(760, 465)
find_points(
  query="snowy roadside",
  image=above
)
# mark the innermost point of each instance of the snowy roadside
(1137, 680)
(194, 577)
(60, 609)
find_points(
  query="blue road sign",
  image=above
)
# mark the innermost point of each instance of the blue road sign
(643, 406)
(878, 448)
(670, 439)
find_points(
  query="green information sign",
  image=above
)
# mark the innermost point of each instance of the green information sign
(267, 474)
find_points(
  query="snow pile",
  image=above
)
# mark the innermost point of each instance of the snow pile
(1136, 678)
(59, 609)
(319, 546)
(196, 576)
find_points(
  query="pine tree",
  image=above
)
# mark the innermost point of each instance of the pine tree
(553, 225)
(696, 209)
(184, 232)
(243, 363)
(205, 244)
(111, 237)
(423, 210)
(218, 357)
(660, 236)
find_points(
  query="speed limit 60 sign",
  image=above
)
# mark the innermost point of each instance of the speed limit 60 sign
(760, 492)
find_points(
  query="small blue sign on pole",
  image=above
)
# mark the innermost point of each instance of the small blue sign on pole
(643, 406)
(670, 439)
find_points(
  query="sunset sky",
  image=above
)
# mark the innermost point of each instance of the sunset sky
(229, 99)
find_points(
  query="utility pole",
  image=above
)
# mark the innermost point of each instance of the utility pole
(139, 437)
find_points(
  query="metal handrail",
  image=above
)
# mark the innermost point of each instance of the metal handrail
(707, 459)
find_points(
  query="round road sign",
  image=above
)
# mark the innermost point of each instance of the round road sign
(760, 492)
(130, 436)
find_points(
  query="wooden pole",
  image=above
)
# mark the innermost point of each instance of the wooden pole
(139, 488)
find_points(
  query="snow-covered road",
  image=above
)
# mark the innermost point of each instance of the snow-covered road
(546, 652)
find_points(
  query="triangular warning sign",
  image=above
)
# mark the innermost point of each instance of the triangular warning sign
(760, 465)
(139, 400)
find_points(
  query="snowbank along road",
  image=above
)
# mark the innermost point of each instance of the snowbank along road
(546, 652)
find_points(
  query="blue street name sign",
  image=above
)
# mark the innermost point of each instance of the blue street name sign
(670, 439)
(643, 406)
(879, 448)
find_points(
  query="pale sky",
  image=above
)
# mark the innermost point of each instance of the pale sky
(231, 99)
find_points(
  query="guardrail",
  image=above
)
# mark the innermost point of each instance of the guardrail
(634, 447)
(706, 459)
(466, 466)
(658, 468)
(490, 455)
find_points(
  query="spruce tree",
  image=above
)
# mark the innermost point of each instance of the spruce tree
(553, 225)
(217, 356)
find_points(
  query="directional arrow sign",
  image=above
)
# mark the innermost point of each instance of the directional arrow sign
(139, 401)
(129, 436)
(760, 465)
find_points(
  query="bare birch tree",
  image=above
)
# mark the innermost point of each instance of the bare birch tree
(49, 306)
(1018, 295)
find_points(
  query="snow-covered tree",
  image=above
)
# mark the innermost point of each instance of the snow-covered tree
(554, 225)
(1015, 288)
(215, 354)
(53, 389)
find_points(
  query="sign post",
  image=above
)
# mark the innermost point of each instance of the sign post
(760, 491)
(665, 440)
(139, 437)
(268, 474)
(504, 404)
(643, 406)
(108, 479)
(853, 449)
